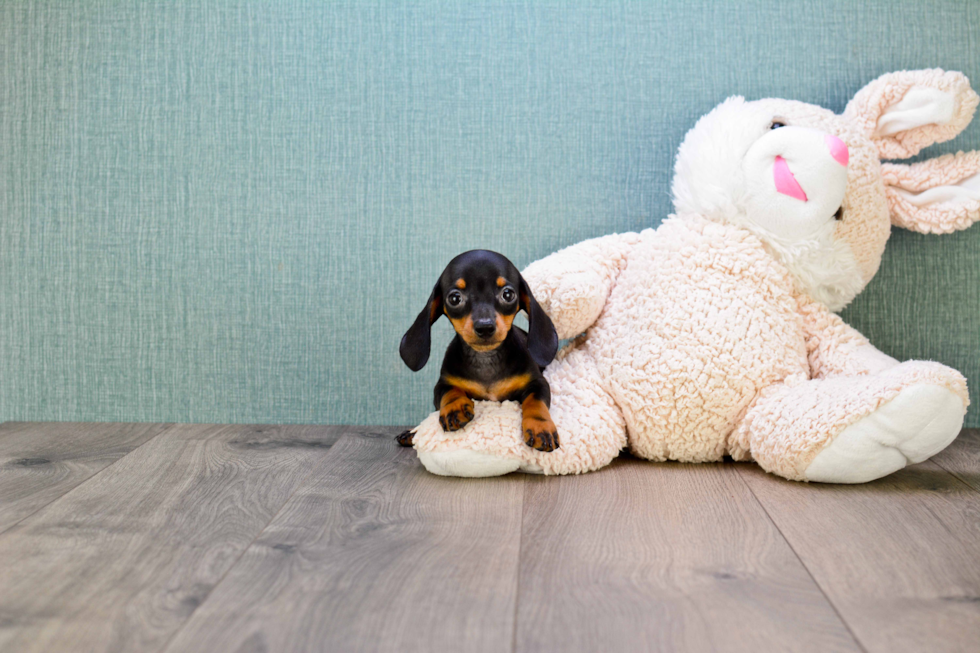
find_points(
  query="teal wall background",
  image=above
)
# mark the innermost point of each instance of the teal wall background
(230, 211)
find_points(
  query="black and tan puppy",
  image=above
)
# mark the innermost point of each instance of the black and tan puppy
(481, 292)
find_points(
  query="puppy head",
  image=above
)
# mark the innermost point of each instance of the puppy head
(480, 292)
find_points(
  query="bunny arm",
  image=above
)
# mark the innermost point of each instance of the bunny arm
(836, 349)
(572, 284)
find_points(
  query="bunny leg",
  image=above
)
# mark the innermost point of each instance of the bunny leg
(853, 429)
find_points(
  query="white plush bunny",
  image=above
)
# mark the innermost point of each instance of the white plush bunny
(714, 334)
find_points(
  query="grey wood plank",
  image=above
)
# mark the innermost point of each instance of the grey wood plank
(120, 563)
(41, 461)
(962, 458)
(648, 557)
(899, 558)
(373, 554)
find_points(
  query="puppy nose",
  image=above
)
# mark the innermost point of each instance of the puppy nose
(838, 149)
(484, 328)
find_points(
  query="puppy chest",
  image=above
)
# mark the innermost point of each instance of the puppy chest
(497, 389)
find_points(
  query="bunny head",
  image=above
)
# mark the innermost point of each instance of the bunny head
(810, 184)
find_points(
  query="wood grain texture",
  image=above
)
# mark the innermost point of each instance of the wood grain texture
(962, 458)
(646, 557)
(120, 563)
(899, 558)
(39, 462)
(211, 538)
(374, 554)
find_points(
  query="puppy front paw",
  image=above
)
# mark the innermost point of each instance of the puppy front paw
(456, 414)
(539, 431)
(540, 434)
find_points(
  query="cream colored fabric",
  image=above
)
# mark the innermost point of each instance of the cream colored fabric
(713, 335)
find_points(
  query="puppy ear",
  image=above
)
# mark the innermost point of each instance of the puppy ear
(542, 339)
(416, 342)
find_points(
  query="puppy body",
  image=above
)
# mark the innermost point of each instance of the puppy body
(501, 374)
(489, 359)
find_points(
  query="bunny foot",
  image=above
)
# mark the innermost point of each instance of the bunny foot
(918, 423)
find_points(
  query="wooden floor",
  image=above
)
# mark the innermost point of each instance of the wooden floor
(181, 538)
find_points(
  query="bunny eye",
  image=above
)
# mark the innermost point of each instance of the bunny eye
(840, 214)
(776, 124)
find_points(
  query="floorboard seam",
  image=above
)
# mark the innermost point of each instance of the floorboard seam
(956, 476)
(517, 581)
(88, 478)
(964, 431)
(809, 573)
(299, 486)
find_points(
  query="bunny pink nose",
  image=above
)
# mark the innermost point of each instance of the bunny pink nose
(838, 149)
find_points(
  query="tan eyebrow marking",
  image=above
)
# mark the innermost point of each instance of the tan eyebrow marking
(461, 283)
(501, 282)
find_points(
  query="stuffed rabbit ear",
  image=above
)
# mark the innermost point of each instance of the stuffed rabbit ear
(906, 111)
(936, 196)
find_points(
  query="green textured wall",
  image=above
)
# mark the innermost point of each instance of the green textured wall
(230, 211)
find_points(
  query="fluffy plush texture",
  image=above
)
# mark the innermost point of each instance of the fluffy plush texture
(715, 335)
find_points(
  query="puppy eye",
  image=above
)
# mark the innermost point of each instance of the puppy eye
(508, 295)
(454, 298)
(776, 124)
(840, 214)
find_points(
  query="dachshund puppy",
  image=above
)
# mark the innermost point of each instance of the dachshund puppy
(480, 292)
